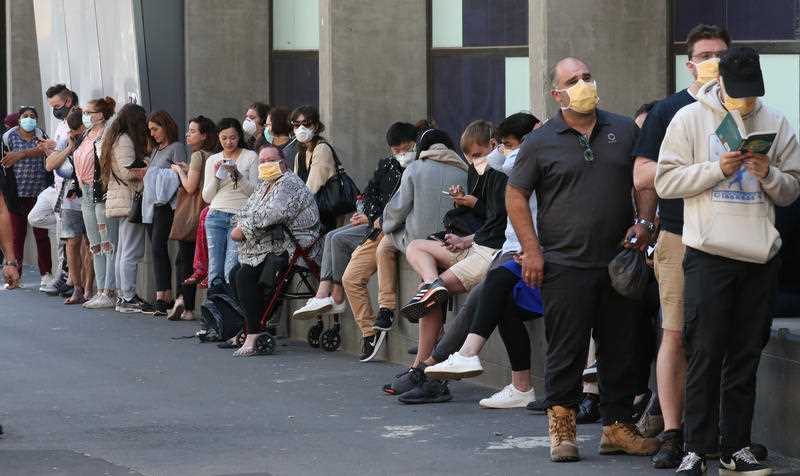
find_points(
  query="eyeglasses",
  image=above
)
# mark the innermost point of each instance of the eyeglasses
(588, 153)
(709, 54)
(307, 123)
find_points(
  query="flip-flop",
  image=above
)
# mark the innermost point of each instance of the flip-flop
(71, 301)
(176, 312)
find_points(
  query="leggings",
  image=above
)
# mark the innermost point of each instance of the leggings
(496, 295)
(200, 263)
(183, 269)
(19, 227)
(159, 239)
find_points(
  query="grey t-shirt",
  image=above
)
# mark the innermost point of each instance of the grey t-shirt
(175, 152)
(585, 207)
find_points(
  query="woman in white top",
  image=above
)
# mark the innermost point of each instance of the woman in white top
(230, 178)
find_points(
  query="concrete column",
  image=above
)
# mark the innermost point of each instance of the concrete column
(24, 83)
(372, 72)
(227, 56)
(623, 41)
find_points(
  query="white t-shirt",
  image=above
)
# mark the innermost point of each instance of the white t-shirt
(61, 137)
(512, 245)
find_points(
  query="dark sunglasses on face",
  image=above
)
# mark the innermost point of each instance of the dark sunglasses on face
(307, 123)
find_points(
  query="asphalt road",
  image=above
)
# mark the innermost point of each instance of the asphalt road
(89, 393)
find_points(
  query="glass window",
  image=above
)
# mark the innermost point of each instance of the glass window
(295, 79)
(518, 80)
(781, 83)
(295, 24)
(467, 23)
(688, 13)
(746, 20)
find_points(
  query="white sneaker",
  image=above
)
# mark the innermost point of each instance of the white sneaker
(314, 307)
(455, 367)
(336, 308)
(46, 279)
(100, 301)
(508, 397)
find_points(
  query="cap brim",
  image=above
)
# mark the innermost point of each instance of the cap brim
(744, 89)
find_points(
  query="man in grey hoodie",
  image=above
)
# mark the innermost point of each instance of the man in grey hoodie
(730, 266)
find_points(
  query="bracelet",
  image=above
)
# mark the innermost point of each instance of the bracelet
(13, 263)
(650, 225)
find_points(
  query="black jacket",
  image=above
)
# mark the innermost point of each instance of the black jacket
(382, 187)
(490, 190)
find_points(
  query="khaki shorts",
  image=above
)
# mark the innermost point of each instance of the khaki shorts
(471, 265)
(668, 261)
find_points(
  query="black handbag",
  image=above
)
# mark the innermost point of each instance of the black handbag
(461, 221)
(338, 195)
(629, 273)
(135, 213)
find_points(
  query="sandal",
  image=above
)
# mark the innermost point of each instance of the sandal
(73, 300)
(177, 310)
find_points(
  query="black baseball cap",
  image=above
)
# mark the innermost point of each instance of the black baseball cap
(740, 70)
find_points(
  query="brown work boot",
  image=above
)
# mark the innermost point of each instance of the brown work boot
(563, 439)
(625, 438)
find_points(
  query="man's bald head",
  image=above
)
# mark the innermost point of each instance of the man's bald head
(566, 70)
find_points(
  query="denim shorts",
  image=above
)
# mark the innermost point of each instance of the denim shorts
(71, 223)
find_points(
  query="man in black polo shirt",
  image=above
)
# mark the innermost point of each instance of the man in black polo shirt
(580, 165)
(705, 44)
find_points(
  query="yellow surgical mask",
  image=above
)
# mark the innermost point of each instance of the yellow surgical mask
(707, 70)
(269, 171)
(582, 97)
(743, 105)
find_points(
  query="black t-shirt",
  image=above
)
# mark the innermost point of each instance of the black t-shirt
(653, 130)
(584, 206)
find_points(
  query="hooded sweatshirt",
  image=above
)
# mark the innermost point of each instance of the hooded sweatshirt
(416, 209)
(734, 216)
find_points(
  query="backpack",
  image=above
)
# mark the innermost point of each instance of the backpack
(221, 314)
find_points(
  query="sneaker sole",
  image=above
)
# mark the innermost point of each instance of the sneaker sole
(128, 311)
(490, 407)
(759, 472)
(416, 311)
(442, 399)
(376, 349)
(301, 315)
(445, 375)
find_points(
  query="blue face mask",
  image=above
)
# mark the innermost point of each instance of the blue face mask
(268, 135)
(28, 124)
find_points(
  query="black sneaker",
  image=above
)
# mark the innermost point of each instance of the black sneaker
(371, 345)
(693, 464)
(135, 304)
(759, 451)
(431, 391)
(588, 410)
(742, 462)
(671, 452)
(385, 320)
(537, 407)
(161, 308)
(428, 296)
(146, 307)
(403, 382)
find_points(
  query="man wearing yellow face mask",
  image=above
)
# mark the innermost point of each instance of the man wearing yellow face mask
(704, 45)
(731, 264)
(580, 164)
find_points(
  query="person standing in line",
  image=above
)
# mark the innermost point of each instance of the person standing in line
(278, 130)
(731, 264)
(253, 125)
(160, 192)
(100, 231)
(230, 178)
(26, 158)
(201, 136)
(580, 165)
(122, 155)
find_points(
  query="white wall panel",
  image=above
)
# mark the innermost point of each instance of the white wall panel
(119, 64)
(51, 37)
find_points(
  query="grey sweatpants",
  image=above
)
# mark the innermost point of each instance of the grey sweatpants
(339, 246)
(130, 251)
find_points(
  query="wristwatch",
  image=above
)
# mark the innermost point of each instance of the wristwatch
(650, 225)
(11, 263)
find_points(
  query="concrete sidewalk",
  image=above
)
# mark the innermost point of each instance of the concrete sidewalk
(99, 393)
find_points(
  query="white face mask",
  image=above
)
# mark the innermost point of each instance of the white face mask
(406, 158)
(303, 134)
(249, 127)
(511, 159)
(480, 164)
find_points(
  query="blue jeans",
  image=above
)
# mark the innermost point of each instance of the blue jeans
(223, 252)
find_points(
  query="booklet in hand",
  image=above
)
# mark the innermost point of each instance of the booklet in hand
(730, 134)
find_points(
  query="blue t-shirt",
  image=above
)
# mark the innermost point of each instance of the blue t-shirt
(653, 130)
